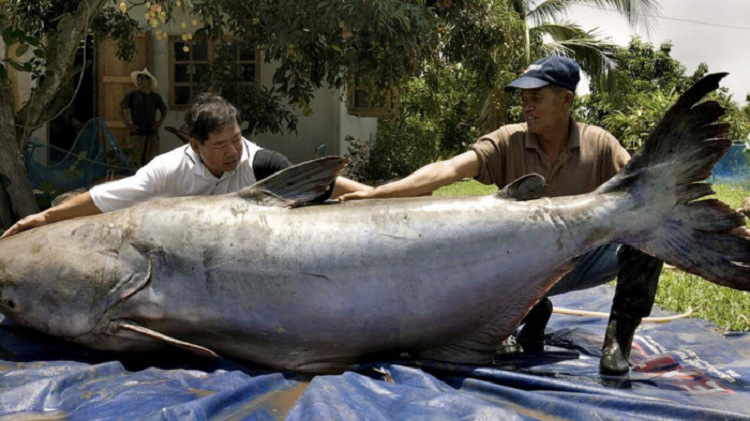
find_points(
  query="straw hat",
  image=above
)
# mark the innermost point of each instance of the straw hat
(145, 72)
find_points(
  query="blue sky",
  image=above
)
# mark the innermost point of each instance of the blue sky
(716, 32)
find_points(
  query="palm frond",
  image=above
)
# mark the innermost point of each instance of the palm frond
(559, 31)
(640, 13)
(593, 53)
(549, 11)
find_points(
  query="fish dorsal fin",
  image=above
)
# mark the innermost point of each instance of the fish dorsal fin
(158, 337)
(528, 187)
(296, 185)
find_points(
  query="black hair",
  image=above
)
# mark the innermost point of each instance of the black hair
(209, 113)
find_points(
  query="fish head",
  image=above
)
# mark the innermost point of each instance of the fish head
(54, 283)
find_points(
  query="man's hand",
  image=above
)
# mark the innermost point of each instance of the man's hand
(132, 127)
(155, 125)
(31, 221)
(742, 231)
(359, 195)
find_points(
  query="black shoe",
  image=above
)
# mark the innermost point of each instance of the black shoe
(618, 340)
(531, 337)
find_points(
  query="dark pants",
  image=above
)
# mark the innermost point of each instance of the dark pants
(637, 277)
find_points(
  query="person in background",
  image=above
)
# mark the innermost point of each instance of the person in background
(143, 125)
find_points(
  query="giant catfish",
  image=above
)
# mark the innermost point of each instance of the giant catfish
(263, 276)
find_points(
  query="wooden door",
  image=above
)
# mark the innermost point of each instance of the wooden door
(114, 80)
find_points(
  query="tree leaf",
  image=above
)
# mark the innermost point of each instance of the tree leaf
(19, 34)
(8, 36)
(22, 49)
(40, 53)
(16, 65)
(83, 155)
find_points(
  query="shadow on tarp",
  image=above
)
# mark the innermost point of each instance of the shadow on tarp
(687, 370)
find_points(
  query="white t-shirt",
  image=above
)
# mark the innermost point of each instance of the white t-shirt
(177, 173)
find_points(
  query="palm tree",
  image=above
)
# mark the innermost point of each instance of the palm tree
(544, 20)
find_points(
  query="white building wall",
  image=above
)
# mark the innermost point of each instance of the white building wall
(317, 134)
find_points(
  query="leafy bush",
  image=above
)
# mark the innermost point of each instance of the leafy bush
(637, 121)
(401, 147)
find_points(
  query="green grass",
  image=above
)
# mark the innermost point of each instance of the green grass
(727, 308)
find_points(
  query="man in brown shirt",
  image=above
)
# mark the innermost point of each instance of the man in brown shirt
(574, 158)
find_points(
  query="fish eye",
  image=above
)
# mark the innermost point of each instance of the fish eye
(10, 304)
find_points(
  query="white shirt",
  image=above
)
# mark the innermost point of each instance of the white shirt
(177, 173)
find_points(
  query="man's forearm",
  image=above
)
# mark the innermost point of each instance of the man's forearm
(423, 181)
(81, 205)
(123, 117)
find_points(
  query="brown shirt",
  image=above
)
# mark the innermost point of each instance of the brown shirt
(590, 157)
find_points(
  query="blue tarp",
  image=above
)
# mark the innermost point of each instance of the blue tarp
(734, 167)
(94, 156)
(687, 370)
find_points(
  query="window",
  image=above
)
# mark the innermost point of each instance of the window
(190, 71)
(359, 101)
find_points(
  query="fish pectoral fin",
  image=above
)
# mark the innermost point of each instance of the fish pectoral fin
(297, 184)
(528, 187)
(159, 337)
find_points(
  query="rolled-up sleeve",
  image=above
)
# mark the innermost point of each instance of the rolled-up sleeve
(493, 150)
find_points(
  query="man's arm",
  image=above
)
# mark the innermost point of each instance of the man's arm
(132, 128)
(81, 205)
(426, 179)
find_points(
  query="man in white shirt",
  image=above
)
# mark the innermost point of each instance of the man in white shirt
(217, 160)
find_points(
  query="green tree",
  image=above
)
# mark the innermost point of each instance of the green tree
(457, 93)
(739, 118)
(655, 80)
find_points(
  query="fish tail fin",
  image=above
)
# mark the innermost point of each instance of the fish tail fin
(664, 180)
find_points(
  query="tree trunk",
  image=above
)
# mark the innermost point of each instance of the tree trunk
(16, 194)
(16, 197)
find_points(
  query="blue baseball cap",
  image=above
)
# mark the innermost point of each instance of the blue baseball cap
(553, 70)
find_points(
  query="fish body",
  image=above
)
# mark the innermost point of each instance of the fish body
(318, 288)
